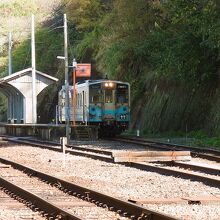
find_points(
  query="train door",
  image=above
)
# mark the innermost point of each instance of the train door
(84, 106)
(109, 105)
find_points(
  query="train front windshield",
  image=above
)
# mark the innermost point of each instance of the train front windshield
(109, 93)
(122, 93)
(96, 94)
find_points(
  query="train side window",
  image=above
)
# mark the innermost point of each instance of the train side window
(84, 98)
(80, 99)
(76, 100)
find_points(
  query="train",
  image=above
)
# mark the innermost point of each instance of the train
(103, 103)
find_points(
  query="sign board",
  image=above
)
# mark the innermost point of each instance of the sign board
(83, 70)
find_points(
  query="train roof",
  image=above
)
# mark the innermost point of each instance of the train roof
(92, 82)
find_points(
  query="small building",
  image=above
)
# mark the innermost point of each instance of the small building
(17, 87)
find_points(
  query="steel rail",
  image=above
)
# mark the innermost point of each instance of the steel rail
(120, 206)
(207, 170)
(35, 202)
(203, 150)
(164, 171)
(33, 143)
(98, 151)
(205, 156)
(143, 166)
(180, 174)
(195, 152)
(58, 149)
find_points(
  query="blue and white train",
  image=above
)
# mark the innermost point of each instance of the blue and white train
(105, 103)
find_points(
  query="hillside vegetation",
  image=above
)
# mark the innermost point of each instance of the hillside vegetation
(167, 50)
(15, 17)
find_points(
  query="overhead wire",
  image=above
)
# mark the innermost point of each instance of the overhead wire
(55, 28)
(55, 23)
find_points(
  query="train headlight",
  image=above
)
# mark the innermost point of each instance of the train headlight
(106, 84)
(111, 84)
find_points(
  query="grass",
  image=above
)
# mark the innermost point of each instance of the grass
(211, 142)
(195, 138)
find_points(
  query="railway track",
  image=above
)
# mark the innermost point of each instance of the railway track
(209, 154)
(45, 193)
(13, 209)
(106, 155)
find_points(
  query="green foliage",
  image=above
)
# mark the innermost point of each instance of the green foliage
(48, 46)
(85, 14)
(17, 8)
(3, 63)
(21, 56)
(122, 30)
(3, 108)
(187, 45)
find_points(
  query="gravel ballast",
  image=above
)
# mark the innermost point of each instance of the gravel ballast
(118, 180)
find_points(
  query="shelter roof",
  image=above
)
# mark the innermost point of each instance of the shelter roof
(25, 72)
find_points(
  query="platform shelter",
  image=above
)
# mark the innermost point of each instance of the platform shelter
(17, 87)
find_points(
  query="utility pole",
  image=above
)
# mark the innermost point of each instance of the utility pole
(66, 81)
(9, 53)
(33, 60)
(74, 92)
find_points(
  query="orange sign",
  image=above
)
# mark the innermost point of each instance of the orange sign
(83, 70)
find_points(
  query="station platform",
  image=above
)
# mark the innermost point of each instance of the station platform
(49, 131)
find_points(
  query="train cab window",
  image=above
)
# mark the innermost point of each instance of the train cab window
(96, 96)
(122, 96)
(108, 96)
